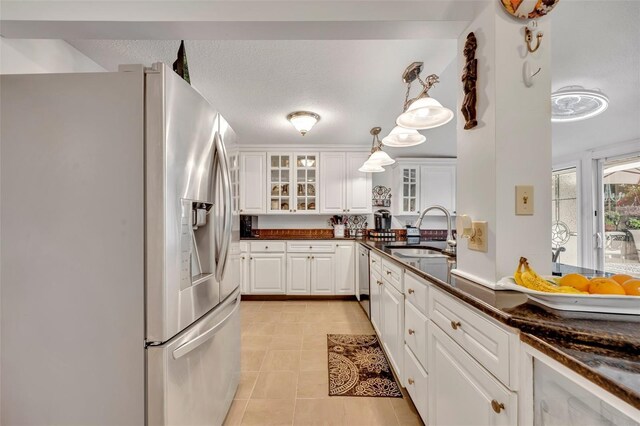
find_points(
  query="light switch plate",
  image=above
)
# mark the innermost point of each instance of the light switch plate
(524, 200)
(478, 241)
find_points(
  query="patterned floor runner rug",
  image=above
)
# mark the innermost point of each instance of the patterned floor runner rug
(358, 367)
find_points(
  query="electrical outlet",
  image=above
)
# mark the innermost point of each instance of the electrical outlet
(478, 241)
(524, 199)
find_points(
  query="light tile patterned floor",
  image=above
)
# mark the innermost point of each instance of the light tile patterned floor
(284, 368)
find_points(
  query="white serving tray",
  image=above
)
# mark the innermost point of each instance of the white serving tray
(603, 303)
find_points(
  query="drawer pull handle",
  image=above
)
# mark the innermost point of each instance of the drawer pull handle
(373, 261)
(455, 324)
(379, 282)
(497, 406)
(412, 332)
(388, 272)
(411, 381)
(411, 291)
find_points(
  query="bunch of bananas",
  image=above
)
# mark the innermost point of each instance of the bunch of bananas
(527, 277)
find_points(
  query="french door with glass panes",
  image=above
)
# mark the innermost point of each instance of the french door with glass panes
(292, 182)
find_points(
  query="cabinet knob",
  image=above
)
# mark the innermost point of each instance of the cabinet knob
(455, 324)
(308, 257)
(242, 257)
(379, 282)
(312, 257)
(412, 332)
(411, 381)
(411, 291)
(348, 210)
(266, 247)
(310, 247)
(497, 406)
(241, 210)
(251, 258)
(294, 210)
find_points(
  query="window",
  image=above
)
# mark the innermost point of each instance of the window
(564, 227)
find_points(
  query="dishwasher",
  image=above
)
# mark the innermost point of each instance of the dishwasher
(363, 278)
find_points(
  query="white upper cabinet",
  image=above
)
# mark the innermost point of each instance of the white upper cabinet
(438, 185)
(344, 188)
(292, 182)
(422, 182)
(406, 190)
(358, 184)
(253, 183)
(332, 182)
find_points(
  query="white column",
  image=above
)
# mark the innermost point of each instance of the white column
(510, 146)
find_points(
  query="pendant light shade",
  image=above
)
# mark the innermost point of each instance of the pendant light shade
(370, 168)
(303, 121)
(378, 157)
(381, 158)
(402, 137)
(424, 113)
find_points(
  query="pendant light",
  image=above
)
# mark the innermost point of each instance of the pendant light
(378, 157)
(303, 121)
(401, 137)
(422, 112)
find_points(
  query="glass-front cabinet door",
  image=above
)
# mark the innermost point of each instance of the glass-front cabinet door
(409, 201)
(306, 183)
(279, 177)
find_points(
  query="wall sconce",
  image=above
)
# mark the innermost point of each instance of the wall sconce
(378, 157)
(422, 112)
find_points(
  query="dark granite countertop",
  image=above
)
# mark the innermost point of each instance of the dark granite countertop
(604, 348)
(295, 237)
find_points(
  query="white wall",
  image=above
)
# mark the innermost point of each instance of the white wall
(22, 56)
(511, 146)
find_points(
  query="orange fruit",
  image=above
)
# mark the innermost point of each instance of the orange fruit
(577, 281)
(601, 285)
(621, 278)
(632, 287)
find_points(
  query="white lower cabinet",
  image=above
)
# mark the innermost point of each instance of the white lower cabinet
(322, 274)
(415, 331)
(298, 273)
(392, 302)
(461, 391)
(345, 268)
(375, 307)
(267, 273)
(416, 382)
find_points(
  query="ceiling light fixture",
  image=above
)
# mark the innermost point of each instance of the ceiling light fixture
(303, 121)
(422, 112)
(576, 103)
(400, 137)
(378, 157)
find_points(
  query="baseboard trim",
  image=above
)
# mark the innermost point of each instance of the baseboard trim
(284, 297)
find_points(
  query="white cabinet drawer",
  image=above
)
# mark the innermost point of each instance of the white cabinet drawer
(392, 273)
(311, 247)
(268, 246)
(416, 291)
(415, 332)
(416, 383)
(375, 262)
(484, 340)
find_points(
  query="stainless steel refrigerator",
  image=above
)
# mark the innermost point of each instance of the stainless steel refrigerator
(119, 235)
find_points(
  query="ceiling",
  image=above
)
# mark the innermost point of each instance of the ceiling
(353, 84)
(596, 44)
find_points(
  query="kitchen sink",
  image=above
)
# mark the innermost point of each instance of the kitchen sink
(416, 252)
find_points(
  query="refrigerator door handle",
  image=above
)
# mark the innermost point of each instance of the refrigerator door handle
(221, 156)
(194, 343)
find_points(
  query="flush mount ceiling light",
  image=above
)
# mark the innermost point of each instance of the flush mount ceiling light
(378, 157)
(303, 121)
(400, 137)
(422, 112)
(576, 103)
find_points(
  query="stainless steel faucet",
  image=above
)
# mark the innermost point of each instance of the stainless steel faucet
(451, 243)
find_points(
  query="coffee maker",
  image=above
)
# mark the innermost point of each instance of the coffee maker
(382, 220)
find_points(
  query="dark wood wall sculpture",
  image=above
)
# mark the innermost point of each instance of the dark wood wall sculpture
(469, 78)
